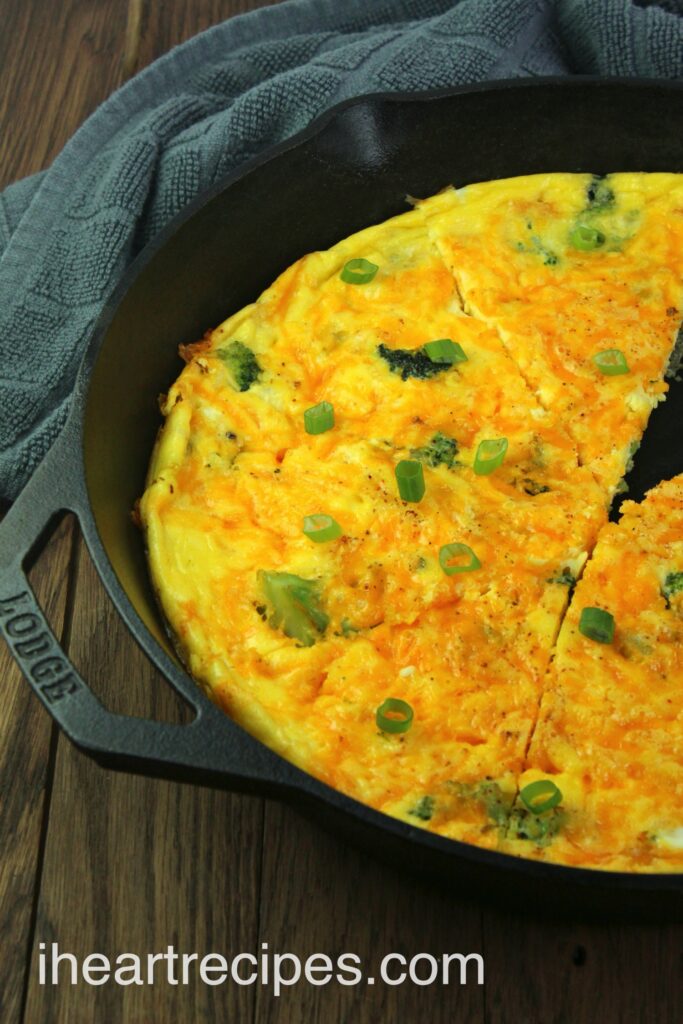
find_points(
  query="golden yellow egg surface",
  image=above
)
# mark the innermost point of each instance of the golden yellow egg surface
(377, 486)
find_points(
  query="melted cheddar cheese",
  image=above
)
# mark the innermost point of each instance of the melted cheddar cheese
(610, 732)
(509, 246)
(300, 641)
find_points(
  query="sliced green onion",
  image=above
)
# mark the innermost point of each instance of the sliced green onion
(394, 715)
(490, 455)
(585, 238)
(450, 551)
(410, 480)
(541, 796)
(319, 418)
(359, 271)
(321, 528)
(597, 624)
(443, 350)
(611, 361)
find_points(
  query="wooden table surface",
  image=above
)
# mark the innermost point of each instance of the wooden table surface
(109, 863)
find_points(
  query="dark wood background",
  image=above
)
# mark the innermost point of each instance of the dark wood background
(109, 863)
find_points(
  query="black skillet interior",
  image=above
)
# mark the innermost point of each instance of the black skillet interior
(354, 169)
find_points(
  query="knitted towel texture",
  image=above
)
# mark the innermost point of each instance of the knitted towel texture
(67, 234)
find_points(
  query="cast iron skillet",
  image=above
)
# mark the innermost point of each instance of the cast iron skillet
(352, 168)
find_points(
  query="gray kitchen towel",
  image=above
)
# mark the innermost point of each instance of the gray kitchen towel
(67, 234)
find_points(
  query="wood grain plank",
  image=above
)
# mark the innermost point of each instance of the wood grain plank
(170, 23)
(135, 865)
(25, 770)
(57, 63)
(543, 972)
(320, 896)
(131, 47)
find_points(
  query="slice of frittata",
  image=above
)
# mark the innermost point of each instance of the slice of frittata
(583, 279)
(610, 733)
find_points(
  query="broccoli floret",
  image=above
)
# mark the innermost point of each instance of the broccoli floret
(675, 366)
(673, 584)
(599, 195)
(549, 257)
(295, 605)
(242, 364)
(566, 578)
(540, 829)
(514, 822)
(495, 802)
(538, 248)
(411, 362)
(440, 451)
(533, 488)
(423, 809)
(622, 487)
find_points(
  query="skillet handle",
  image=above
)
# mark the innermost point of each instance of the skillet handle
(210, 750)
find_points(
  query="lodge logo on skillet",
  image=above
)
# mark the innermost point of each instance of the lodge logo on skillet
(33, 645)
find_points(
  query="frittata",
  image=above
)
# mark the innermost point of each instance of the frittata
(377, 485)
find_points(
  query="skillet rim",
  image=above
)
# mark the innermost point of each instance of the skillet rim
(293, 781)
